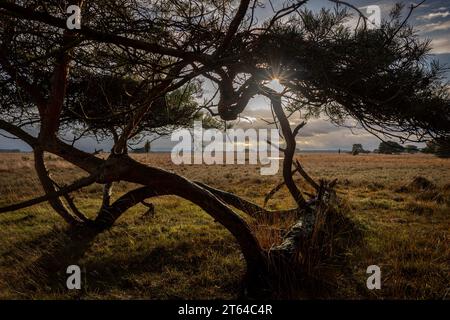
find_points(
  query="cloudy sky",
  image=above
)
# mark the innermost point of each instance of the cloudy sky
(432, 20)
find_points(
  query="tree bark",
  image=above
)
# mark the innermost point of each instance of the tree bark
(165, 182)
(289, 150)
(49, 187)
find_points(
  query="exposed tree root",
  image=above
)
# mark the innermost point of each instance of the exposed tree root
(311, 255)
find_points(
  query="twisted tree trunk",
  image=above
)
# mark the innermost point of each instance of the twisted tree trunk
(262, 267)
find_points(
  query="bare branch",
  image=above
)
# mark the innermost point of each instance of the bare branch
(89, 33)
(234, 25)
(18, 132)
(81, 183)
(305, 175)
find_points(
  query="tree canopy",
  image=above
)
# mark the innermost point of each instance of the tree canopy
(389, 147)
(133, 53)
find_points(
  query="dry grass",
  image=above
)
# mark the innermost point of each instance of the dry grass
(183, 253)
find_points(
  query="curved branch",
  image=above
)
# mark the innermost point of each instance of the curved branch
(250, 208)
(108, 215)
(81, 183)
(19, 133)
(71, 204)
(290, 146)
(84, 160)
(164, 182)
(303, 173)
(277, 188)
(49, 187)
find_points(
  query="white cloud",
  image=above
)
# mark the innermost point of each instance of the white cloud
(248, 119)
(342, 138)
(440, 45)
(434, 15)
(438, 26)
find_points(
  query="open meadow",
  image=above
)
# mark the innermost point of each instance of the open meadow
(180, 252)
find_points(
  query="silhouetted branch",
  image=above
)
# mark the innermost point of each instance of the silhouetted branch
(81, 183)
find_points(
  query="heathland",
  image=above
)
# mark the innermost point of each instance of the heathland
(400, 203)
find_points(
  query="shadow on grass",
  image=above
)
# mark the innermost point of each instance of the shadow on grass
(58, 249)
(173, 271)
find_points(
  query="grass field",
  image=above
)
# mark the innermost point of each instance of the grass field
(182, 253)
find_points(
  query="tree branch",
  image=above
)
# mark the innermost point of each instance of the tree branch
(81, 183)
(250, 208)
(290, 146)
(234, 25)
(18, 132)
(49, 187)
(71, 204)
(89, 33)
(21, 81)
(306, 176)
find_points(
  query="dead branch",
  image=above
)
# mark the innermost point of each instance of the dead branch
(246, 206)
(81, 183)
(108, 215)
(305, 175)
(71, 204)
(277, 188)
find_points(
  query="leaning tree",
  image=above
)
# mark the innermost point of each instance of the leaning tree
(134, 67)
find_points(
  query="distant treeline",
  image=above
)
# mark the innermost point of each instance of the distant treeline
(441, 148)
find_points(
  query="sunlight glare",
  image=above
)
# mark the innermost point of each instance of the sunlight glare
(276, 85)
